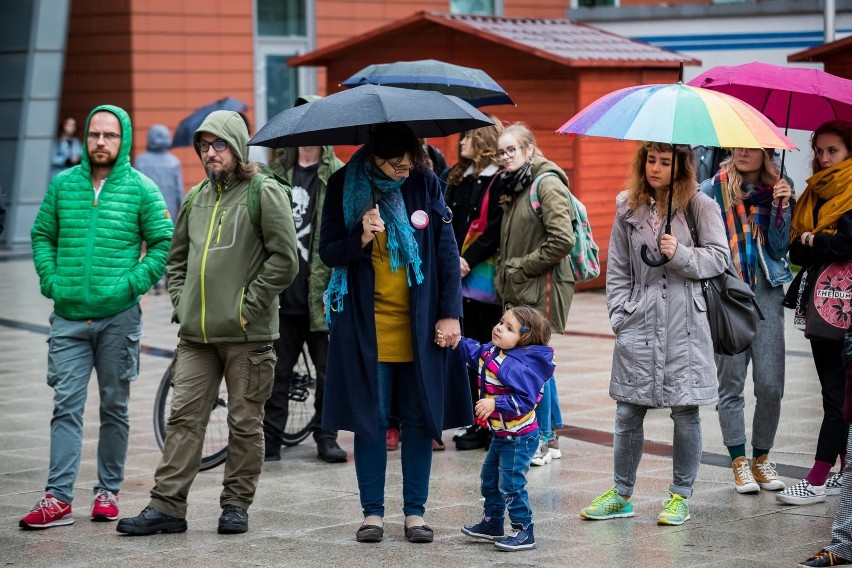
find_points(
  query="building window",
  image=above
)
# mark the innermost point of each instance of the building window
(596, 3)
(479, 7)
(282, 84)
(281, 18)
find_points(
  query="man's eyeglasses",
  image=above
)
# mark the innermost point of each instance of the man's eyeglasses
(507, 153)
(108, 136)
(218, 146)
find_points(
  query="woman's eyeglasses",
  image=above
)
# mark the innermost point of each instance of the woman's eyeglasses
(399, 166)
(218, 146)
(507, 153)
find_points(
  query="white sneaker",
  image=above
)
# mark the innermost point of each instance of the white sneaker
(834, 484)
(542, 455)
(553, 448)
(802, 493)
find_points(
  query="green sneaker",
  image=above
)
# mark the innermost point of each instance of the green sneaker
(675, 511)
(610, 505)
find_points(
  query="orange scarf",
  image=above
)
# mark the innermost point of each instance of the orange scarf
(834, 186)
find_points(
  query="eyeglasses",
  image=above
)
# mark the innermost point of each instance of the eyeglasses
(218, 146)
(507, 153)
(399, 167)
(108, 136)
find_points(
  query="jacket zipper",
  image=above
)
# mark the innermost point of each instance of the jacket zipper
(204, 264)
(240, 307)
(219, 230)
(90, 243)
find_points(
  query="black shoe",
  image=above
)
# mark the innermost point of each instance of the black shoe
(151, 521)
(234, 520)
(272, 457)
(476, 437)
(329, 451)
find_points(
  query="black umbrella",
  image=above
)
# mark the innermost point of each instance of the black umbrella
(347, 117)
(187, 127)
(469, 84)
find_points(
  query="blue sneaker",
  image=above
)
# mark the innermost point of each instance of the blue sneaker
(523, 539)
(489, 528)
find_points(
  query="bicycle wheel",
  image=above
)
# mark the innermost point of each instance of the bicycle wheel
(301, 416)
(215, 448)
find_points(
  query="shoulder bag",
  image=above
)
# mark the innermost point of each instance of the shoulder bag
(731, 308)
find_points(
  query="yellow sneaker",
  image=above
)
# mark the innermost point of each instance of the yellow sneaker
(743, 478)
(765, 475)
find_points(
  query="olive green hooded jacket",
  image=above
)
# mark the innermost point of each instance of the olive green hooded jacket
(87, 250)
(219, 270)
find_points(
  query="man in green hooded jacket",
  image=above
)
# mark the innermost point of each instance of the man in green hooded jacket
(224, 278)
(87, 242)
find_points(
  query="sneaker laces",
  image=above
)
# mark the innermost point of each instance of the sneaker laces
(608, 496)
(675, 505)
(744, 472)
(105, 497)
(832, 558)
(767, 469)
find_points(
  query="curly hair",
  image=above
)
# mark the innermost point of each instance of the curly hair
(768, 173)
(840, 128)
(483, 144)
(535, 329)
(639, 190)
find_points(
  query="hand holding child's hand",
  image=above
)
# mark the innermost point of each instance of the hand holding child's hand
(484, 408)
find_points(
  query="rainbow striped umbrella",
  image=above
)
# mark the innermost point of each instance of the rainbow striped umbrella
(677, 114)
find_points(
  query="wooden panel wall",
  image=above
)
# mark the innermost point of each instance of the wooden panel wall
(159, 60)
(840, 63)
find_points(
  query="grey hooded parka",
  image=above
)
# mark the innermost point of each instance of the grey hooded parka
(663, 354)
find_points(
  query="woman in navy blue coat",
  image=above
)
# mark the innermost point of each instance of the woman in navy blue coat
(386, 232)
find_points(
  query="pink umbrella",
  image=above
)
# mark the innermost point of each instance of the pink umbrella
(791, 97)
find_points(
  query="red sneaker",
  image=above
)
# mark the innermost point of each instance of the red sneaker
(49, 512)
(392, 439)
(105, 507)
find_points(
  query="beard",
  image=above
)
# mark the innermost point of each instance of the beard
(102, 160)
(217, 176)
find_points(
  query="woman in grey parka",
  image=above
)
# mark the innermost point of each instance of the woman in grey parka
(663, 355)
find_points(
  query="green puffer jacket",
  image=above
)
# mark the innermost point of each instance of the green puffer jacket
(319, 272)
(218, 268)
(86, 251)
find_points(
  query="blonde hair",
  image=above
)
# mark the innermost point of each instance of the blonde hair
(768, 174)
(685, 182)
(523, 135)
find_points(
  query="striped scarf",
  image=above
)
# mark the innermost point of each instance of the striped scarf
(746, 223)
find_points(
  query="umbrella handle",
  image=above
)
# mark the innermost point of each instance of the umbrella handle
(646, 258)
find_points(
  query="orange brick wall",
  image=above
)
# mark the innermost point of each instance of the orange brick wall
(159, 60)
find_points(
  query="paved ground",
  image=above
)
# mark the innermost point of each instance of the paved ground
(306, 511)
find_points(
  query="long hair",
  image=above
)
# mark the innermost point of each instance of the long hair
(246, 171)
(840, 128)
(768, 174)
(483, 144)
(685, 182)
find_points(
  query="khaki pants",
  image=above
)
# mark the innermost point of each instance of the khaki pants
(197, 371)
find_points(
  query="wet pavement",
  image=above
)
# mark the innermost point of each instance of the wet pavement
(306, 511)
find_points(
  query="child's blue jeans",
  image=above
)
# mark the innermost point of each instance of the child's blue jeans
(547, 412)
(504, 477)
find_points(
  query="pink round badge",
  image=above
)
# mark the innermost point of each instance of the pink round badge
(419, 219)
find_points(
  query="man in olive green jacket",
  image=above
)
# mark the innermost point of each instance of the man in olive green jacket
(87, 242)
(224, 277)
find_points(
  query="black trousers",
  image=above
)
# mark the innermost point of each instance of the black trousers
(832, 378)
(479, 320)
(295, 331)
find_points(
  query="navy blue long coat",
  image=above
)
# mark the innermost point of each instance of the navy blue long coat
(351, 393)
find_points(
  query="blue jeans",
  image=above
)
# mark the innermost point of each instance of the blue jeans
(547, 413)
(371, 457)
(110, 346)
(629, 440)
(504, 477)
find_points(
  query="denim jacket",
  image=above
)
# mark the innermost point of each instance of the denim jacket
(772, 256)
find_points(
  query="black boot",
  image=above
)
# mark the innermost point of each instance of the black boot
(476, 437)
(233, 520)
(329, 451)
(151, 521)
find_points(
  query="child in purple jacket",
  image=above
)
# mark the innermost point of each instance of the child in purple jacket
(512, 370)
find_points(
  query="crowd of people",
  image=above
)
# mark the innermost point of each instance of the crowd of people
(438, 289)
